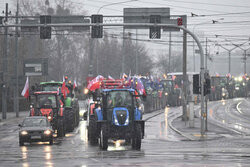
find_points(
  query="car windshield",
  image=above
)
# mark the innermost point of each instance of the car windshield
(34, 122)
(119, 99)
(45, 101)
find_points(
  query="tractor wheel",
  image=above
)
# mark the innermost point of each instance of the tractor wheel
(92, 131)
(104, 137)
(21, 143)
(136, 140)
(60, 128)
(69, 120)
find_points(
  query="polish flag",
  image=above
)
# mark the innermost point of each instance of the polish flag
(64, 88)
(75, 84)
(95, 83)
(25, 91)
(111, 78)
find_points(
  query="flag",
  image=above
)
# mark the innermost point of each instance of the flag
(25, 91)
(75, 84)
(140, 87)
(111, 78)
(64, 88)
(95, 83)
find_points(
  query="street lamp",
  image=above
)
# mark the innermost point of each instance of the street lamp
(115, 3)
(245, 55)
(206, 22)
(93, 43)
(229, 53)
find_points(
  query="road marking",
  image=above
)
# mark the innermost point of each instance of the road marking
(237, 107)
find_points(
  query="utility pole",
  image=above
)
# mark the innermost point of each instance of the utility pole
(90, 57)
(184, 104)
(170, 45)
(206, 97)
(123, 49)
(5, 66)
(136, 54)
(229, 53)
(16, 90)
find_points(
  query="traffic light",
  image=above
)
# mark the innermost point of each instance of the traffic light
(45, 32)
(179, 22)
(207, 85)
(155, 32)
(1, 20)
(196, 84)
(97, 31)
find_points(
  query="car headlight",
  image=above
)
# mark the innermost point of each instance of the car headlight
(237, 88)
(179, 97)
(47, 132)
(24, 132)
(223, 94)
(166, 94)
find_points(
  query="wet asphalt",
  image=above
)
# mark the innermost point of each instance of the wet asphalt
(161, 146)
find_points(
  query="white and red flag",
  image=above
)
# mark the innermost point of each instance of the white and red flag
(64, 89)
(95, 83)
(75, 84)
(111, 78)
(25, 91)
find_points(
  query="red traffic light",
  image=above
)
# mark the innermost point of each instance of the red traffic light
(179, 21)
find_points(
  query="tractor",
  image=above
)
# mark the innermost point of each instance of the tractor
(116, 115)
(71, 104)
(47, 104)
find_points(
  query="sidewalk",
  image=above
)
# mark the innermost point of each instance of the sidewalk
(11, 116)
(194, 134)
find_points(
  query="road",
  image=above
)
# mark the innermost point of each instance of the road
(161, 147)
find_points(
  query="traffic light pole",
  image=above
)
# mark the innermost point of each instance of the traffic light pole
(16, 90)
(5, 67)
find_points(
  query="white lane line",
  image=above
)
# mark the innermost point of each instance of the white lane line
(238, 108)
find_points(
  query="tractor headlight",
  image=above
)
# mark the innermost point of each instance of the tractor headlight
(127, 121)
(47, 132)
(116, 121)
(24, 133)
(49, 118)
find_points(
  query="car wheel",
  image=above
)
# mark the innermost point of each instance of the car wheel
(51, 141)
(21, 143)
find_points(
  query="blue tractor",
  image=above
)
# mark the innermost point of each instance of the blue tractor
(118, 116)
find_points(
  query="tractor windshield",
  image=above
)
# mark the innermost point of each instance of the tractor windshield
(119, 99)
(46, 101)
(50, 87)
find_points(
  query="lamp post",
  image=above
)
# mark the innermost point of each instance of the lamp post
(93, 42)
(115, 3)
(245, 56)
(229, 53)
(206, 22)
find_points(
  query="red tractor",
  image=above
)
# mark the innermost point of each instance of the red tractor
(48, 104)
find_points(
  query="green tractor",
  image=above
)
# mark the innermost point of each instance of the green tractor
(70, 103)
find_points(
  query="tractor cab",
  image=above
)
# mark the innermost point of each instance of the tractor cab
(45, 104)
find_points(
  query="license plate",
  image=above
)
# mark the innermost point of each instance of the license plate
(35, 137)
